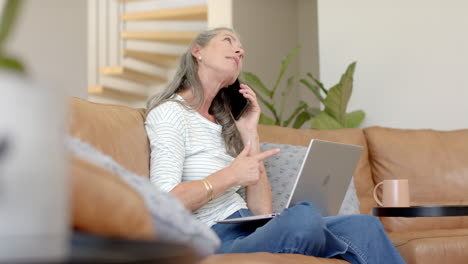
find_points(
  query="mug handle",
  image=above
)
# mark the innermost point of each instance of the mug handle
(375, 193)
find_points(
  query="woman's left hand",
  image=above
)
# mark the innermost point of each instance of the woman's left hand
(248, 121)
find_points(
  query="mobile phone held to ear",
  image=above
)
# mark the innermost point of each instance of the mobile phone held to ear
(237, 101)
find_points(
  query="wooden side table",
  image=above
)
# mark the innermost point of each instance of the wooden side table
(421, 211)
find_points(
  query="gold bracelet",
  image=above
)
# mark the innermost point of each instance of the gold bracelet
(209, 188)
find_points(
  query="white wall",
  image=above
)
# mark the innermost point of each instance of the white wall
(50, 39)
(412, 59)
(219, 13)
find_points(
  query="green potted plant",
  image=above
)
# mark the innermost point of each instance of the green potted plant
(334, 100)
(267, 96)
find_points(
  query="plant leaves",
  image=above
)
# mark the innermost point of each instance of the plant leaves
(265, 120)
(11, 64)
(301, 119)
(302, 105)
(314, 89)
(354, 119)
(284, 65)
(332, 102)
(313, 111)
(338, 96)
(285, 94)
(8, 19)
(266, 103)
(319, 84)
(255, 83)
(325, 121)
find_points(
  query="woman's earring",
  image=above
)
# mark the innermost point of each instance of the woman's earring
(199, 58)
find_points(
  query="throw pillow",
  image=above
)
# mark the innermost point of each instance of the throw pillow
(91, 183)
(172, 222)
(282, 170)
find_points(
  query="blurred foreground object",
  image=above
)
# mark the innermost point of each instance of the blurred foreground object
(33, 182)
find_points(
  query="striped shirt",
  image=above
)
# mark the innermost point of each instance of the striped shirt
(185, 147)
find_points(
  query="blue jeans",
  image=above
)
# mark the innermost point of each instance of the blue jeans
(302, 230)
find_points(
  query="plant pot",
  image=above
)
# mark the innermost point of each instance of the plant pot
(34, 193)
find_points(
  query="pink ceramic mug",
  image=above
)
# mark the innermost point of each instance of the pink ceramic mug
(395, 193)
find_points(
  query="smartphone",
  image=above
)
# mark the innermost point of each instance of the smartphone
(238, 103)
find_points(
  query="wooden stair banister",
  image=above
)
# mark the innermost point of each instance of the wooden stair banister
(130, 74)
(159, 59)
(109, 92)
(193, 13)
(175, 37)
(148, 53)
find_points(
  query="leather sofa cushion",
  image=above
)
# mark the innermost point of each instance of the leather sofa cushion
(434, 162)
(433, 246)
(103, 204)
(362, 175)
(117, 131)
(268, 258)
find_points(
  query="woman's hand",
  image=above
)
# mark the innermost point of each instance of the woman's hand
(248, 121)
(247, 168)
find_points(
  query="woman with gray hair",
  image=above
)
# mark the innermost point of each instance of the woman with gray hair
(203, 156)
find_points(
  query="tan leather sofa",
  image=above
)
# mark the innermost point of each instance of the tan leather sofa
(435, 162)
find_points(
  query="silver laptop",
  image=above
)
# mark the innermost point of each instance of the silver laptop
(323, 178)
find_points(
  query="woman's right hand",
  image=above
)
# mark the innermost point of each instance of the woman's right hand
(246, 168)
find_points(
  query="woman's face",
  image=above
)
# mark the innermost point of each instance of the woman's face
(223, 54)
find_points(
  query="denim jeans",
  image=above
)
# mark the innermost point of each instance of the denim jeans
(302, 230)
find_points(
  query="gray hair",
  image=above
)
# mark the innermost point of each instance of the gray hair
(186, 77)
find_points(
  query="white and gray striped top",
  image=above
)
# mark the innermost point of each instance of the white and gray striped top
(185, 146)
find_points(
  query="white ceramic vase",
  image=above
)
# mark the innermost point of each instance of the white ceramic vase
(34, 193)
